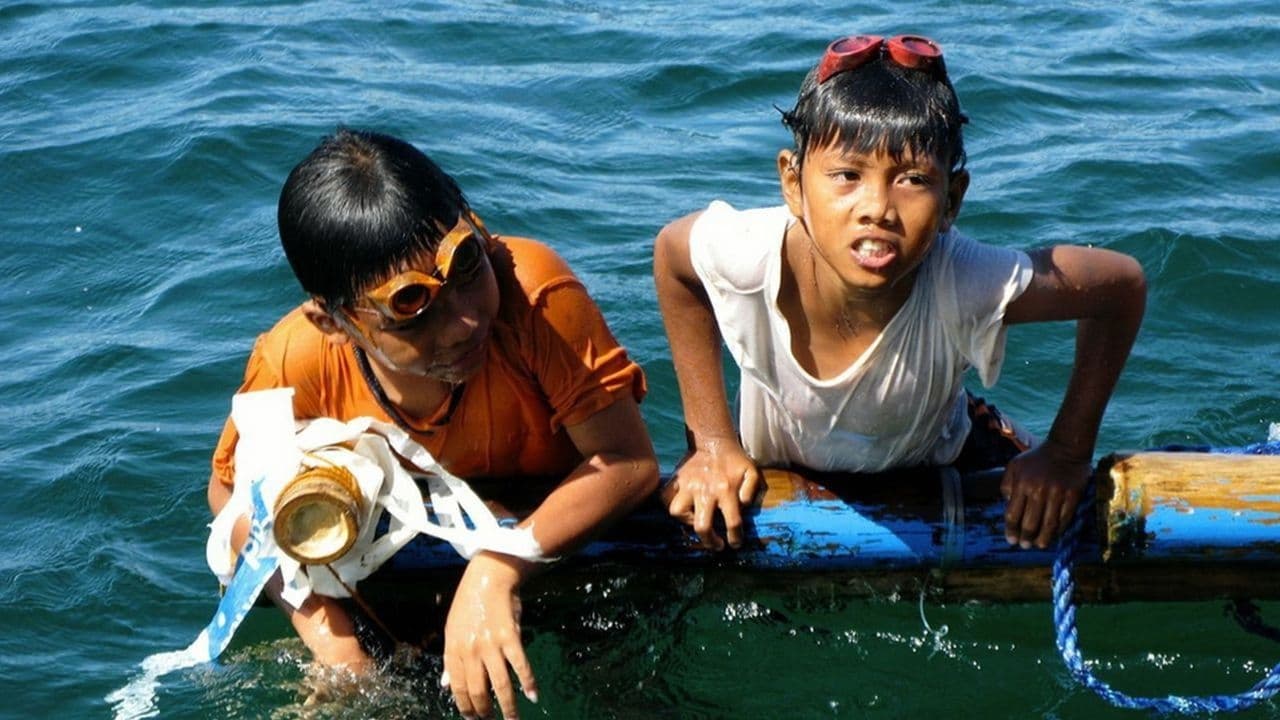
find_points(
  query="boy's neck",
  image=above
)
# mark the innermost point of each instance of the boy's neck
(418, 398)
(825, 294)
(832, 324)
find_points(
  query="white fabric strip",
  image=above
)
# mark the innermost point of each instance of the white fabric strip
(269, 454)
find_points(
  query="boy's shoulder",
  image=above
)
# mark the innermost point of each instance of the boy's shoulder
(292, 327)
(293, 342)
(529, 268)
(722, 218)
(538, 287)
(735, 249)
(960, 254)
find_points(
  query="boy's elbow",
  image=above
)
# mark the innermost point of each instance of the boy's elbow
(1135, 280)
(217, 494)
(1120, 278)
(1139, 279)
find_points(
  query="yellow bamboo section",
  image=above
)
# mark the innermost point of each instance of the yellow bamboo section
(1196, 480)
(1233, 491)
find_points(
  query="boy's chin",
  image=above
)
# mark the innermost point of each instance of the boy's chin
(456, 374)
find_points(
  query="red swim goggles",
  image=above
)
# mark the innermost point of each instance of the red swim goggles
(914, 52)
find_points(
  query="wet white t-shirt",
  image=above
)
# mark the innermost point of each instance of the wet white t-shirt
(902, 403)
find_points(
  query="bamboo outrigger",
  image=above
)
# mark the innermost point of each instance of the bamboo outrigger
(1167, 526)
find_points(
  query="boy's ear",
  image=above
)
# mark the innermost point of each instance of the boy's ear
(956, 188)
(314, 311)
(789, 179)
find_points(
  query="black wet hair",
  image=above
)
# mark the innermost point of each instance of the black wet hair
(357, 208)
(880, 105)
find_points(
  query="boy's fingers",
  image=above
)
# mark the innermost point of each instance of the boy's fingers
(750, 481)
(500, 678)
(478, 689)
(703, 513)
(455, 673)
(670, 491)
(732, 513)
(1006, 485)
(1013, 517)
(1067, 510)
(524, 671)
(1049, 520)
(1032, 514)
(682, 507)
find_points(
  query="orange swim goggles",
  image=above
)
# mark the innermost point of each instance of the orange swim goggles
(459, 259)
(914, 52)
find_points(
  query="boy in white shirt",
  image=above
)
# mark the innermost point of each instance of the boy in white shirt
(854, 310)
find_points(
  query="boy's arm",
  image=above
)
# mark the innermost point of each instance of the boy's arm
(482, 633)
(717, 474)
(322, 623)
(1105, 292)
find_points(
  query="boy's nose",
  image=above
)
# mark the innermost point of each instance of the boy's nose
(873, 204)
(458, 321)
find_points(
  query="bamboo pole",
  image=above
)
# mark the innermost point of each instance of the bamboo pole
(1168, 526)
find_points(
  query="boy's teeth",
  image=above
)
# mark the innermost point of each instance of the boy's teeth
(871, 247)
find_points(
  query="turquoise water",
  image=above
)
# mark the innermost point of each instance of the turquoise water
(141, 152)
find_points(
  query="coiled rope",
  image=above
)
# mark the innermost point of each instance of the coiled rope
(1064, 620)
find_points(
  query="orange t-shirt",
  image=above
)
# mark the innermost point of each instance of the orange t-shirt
(550, 362)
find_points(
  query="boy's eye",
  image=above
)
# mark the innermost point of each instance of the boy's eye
(468, 259)
(917, 178)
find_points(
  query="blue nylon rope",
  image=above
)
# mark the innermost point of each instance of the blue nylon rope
(1064, 620)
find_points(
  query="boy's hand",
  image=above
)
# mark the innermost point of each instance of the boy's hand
(1042, 488)
(719, 476)
(482, 639)
(323, 625)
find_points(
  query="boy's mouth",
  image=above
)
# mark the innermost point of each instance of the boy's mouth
(462, 366)
(873, 254)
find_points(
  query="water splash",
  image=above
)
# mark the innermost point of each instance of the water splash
(935, 635)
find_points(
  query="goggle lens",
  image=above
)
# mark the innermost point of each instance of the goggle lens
(411, 299)
(914, 51)
(466, 259)
(459, 258)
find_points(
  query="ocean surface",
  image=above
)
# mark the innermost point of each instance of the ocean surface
(142, 148)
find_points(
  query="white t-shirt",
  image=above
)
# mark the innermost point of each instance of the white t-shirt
(902, 403)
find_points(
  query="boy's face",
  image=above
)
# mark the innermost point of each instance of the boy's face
(447, 340)
(871, 218)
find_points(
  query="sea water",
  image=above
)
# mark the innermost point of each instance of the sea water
(142, 149)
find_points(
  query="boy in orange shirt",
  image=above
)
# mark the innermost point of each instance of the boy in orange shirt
(485, 349)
